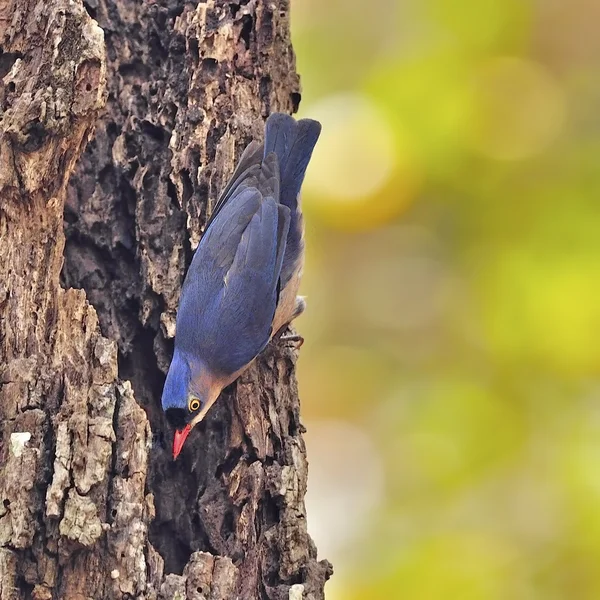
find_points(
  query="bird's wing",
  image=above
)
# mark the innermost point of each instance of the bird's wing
(248, 165)
(230, 293)
(293, 143)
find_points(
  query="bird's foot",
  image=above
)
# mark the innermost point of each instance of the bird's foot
(293, 340)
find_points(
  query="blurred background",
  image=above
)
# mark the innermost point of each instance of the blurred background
(450, 374)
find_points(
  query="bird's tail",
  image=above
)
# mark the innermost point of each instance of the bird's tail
(293, 143)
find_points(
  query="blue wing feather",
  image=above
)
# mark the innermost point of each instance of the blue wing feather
(248, 165)
(230, 295)
(293, 143)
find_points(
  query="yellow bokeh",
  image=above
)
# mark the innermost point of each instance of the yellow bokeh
(463, 565)
(518, 109)
(362, 175)
(538, 309)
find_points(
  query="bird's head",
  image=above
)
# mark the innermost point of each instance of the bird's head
(190, 390)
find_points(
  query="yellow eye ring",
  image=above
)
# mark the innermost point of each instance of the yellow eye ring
(194, 404)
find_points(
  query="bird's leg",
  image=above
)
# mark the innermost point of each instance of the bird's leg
(279, 337)
(293, 338)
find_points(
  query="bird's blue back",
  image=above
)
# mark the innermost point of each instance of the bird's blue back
(248, 251)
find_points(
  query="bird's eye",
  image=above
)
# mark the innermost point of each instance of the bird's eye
(194, 404)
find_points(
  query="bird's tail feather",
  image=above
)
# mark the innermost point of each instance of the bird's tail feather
(293, 142)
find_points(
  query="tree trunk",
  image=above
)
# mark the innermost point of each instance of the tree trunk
(91, 504)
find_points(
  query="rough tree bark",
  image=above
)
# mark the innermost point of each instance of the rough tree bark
(91, 506)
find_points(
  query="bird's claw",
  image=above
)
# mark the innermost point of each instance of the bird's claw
(293, 340)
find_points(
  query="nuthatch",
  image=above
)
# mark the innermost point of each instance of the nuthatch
(241, 288)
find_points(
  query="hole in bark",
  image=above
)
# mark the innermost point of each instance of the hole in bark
(266, 27)
(112, 130)
(295, 97)
(225, 468)
(90, 10)
(135, 69)
(213, 139)
(227, 526)
(11, 86)
(7, 60)
(151, 130)
(264, 87)
(70, 215)
(176, 10)
(210, 65)
(271, 513)
(247, 23)
(88, 87)
(148, 181)
(194, 50)
(36, 136)
(6, 503)
(292, 426)
(188, 188)
(172, 193)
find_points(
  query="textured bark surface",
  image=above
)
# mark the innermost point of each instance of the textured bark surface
(91, 505)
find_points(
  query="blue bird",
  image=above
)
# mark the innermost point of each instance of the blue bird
(241, 288)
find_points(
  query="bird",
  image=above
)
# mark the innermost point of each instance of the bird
(241, 289)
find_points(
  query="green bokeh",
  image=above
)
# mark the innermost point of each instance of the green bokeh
(454, 311)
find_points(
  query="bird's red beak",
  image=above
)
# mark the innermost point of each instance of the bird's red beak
(179, 439)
